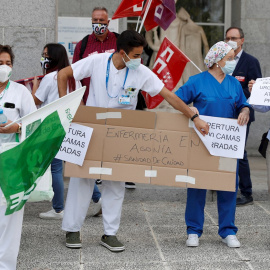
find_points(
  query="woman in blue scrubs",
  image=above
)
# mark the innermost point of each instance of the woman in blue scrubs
(215, 93)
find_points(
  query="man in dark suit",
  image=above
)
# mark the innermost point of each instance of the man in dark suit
(247, 68)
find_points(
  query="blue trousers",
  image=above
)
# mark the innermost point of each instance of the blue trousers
(57, 184)
(96, 194)
(245, 184)
(226, 203)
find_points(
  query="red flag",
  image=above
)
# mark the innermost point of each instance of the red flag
(169, 66)
(128, 8)
(161, 12)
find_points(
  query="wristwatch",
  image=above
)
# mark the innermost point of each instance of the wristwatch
(194, 116)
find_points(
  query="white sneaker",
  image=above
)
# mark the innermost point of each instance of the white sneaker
(193, 240)
(97, 208)
(231, 241)
(52, 215)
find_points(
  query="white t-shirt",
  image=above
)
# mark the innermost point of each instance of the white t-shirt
(95, 66)
(20, 96)
(47, 91)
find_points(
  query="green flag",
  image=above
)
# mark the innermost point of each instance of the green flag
(25, 163)
(44, 130)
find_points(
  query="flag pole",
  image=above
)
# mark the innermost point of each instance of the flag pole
(138, 23)
(190, 60)
(195, 65)
(145, 14)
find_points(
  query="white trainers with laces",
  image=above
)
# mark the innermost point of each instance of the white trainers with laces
(193, 240)
(97, 208)
(52, 215)
(231, 241)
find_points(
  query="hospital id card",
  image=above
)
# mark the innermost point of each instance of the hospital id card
(124, 100)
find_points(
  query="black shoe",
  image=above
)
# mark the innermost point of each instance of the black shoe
(244, 200)
(111, 242)
(130, 185)
(98, 182)
(73, 240)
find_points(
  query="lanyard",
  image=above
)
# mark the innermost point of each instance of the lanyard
(2, 94)
(108, 75)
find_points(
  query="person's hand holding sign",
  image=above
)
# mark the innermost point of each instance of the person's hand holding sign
(243, 116)
(250, 85)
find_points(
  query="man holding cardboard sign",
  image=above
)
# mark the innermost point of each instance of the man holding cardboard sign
(115, 82)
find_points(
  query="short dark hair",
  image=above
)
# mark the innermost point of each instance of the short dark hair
(58, 55)
(7, 49)
(130, 39)
(241, 32)
(100, 8)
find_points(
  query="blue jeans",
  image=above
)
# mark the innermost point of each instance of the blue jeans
(226, 202)
(96, 194)
(57, 184)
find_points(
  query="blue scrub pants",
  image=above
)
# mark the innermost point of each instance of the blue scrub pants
(226, 203)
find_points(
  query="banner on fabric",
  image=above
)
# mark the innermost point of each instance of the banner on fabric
(225, 138)
(28, 82)
(128, 8)
(42, 134)
(161, 12)
(169, 66)
(260, 94)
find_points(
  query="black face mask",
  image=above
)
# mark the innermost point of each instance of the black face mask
(45, 63)
(99, 28)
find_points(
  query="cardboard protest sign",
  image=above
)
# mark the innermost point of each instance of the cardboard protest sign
(74, 146)
(225, 138)
(260, 94)
(156, 148)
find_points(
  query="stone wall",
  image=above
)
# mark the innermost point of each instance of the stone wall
(27, 26)
(83, 8)
(253, 17)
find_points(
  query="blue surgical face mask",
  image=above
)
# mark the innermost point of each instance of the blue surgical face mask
(229, 67)
(132, 63)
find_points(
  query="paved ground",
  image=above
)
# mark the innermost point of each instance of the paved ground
(153, 231)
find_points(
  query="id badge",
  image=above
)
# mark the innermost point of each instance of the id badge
(240, 78)
(124, 100)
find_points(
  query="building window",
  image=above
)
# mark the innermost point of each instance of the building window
(213, 15)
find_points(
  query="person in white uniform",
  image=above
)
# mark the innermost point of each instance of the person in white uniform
(54, 58)
(16, 102)
(115, 82)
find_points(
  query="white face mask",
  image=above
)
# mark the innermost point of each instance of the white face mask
(5, 73)
(233, 44)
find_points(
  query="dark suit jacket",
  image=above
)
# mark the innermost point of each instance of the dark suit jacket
(248, 68)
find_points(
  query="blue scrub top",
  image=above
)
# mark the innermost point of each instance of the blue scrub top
(212, 98)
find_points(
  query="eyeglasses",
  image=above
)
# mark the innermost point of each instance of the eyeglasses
(45, 55)
(231, 38)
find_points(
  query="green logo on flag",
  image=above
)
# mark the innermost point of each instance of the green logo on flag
(22, 165)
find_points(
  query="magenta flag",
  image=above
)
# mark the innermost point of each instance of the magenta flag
(165, 13)
(161, 12)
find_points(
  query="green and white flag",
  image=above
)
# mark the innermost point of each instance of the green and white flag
(42, 134)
